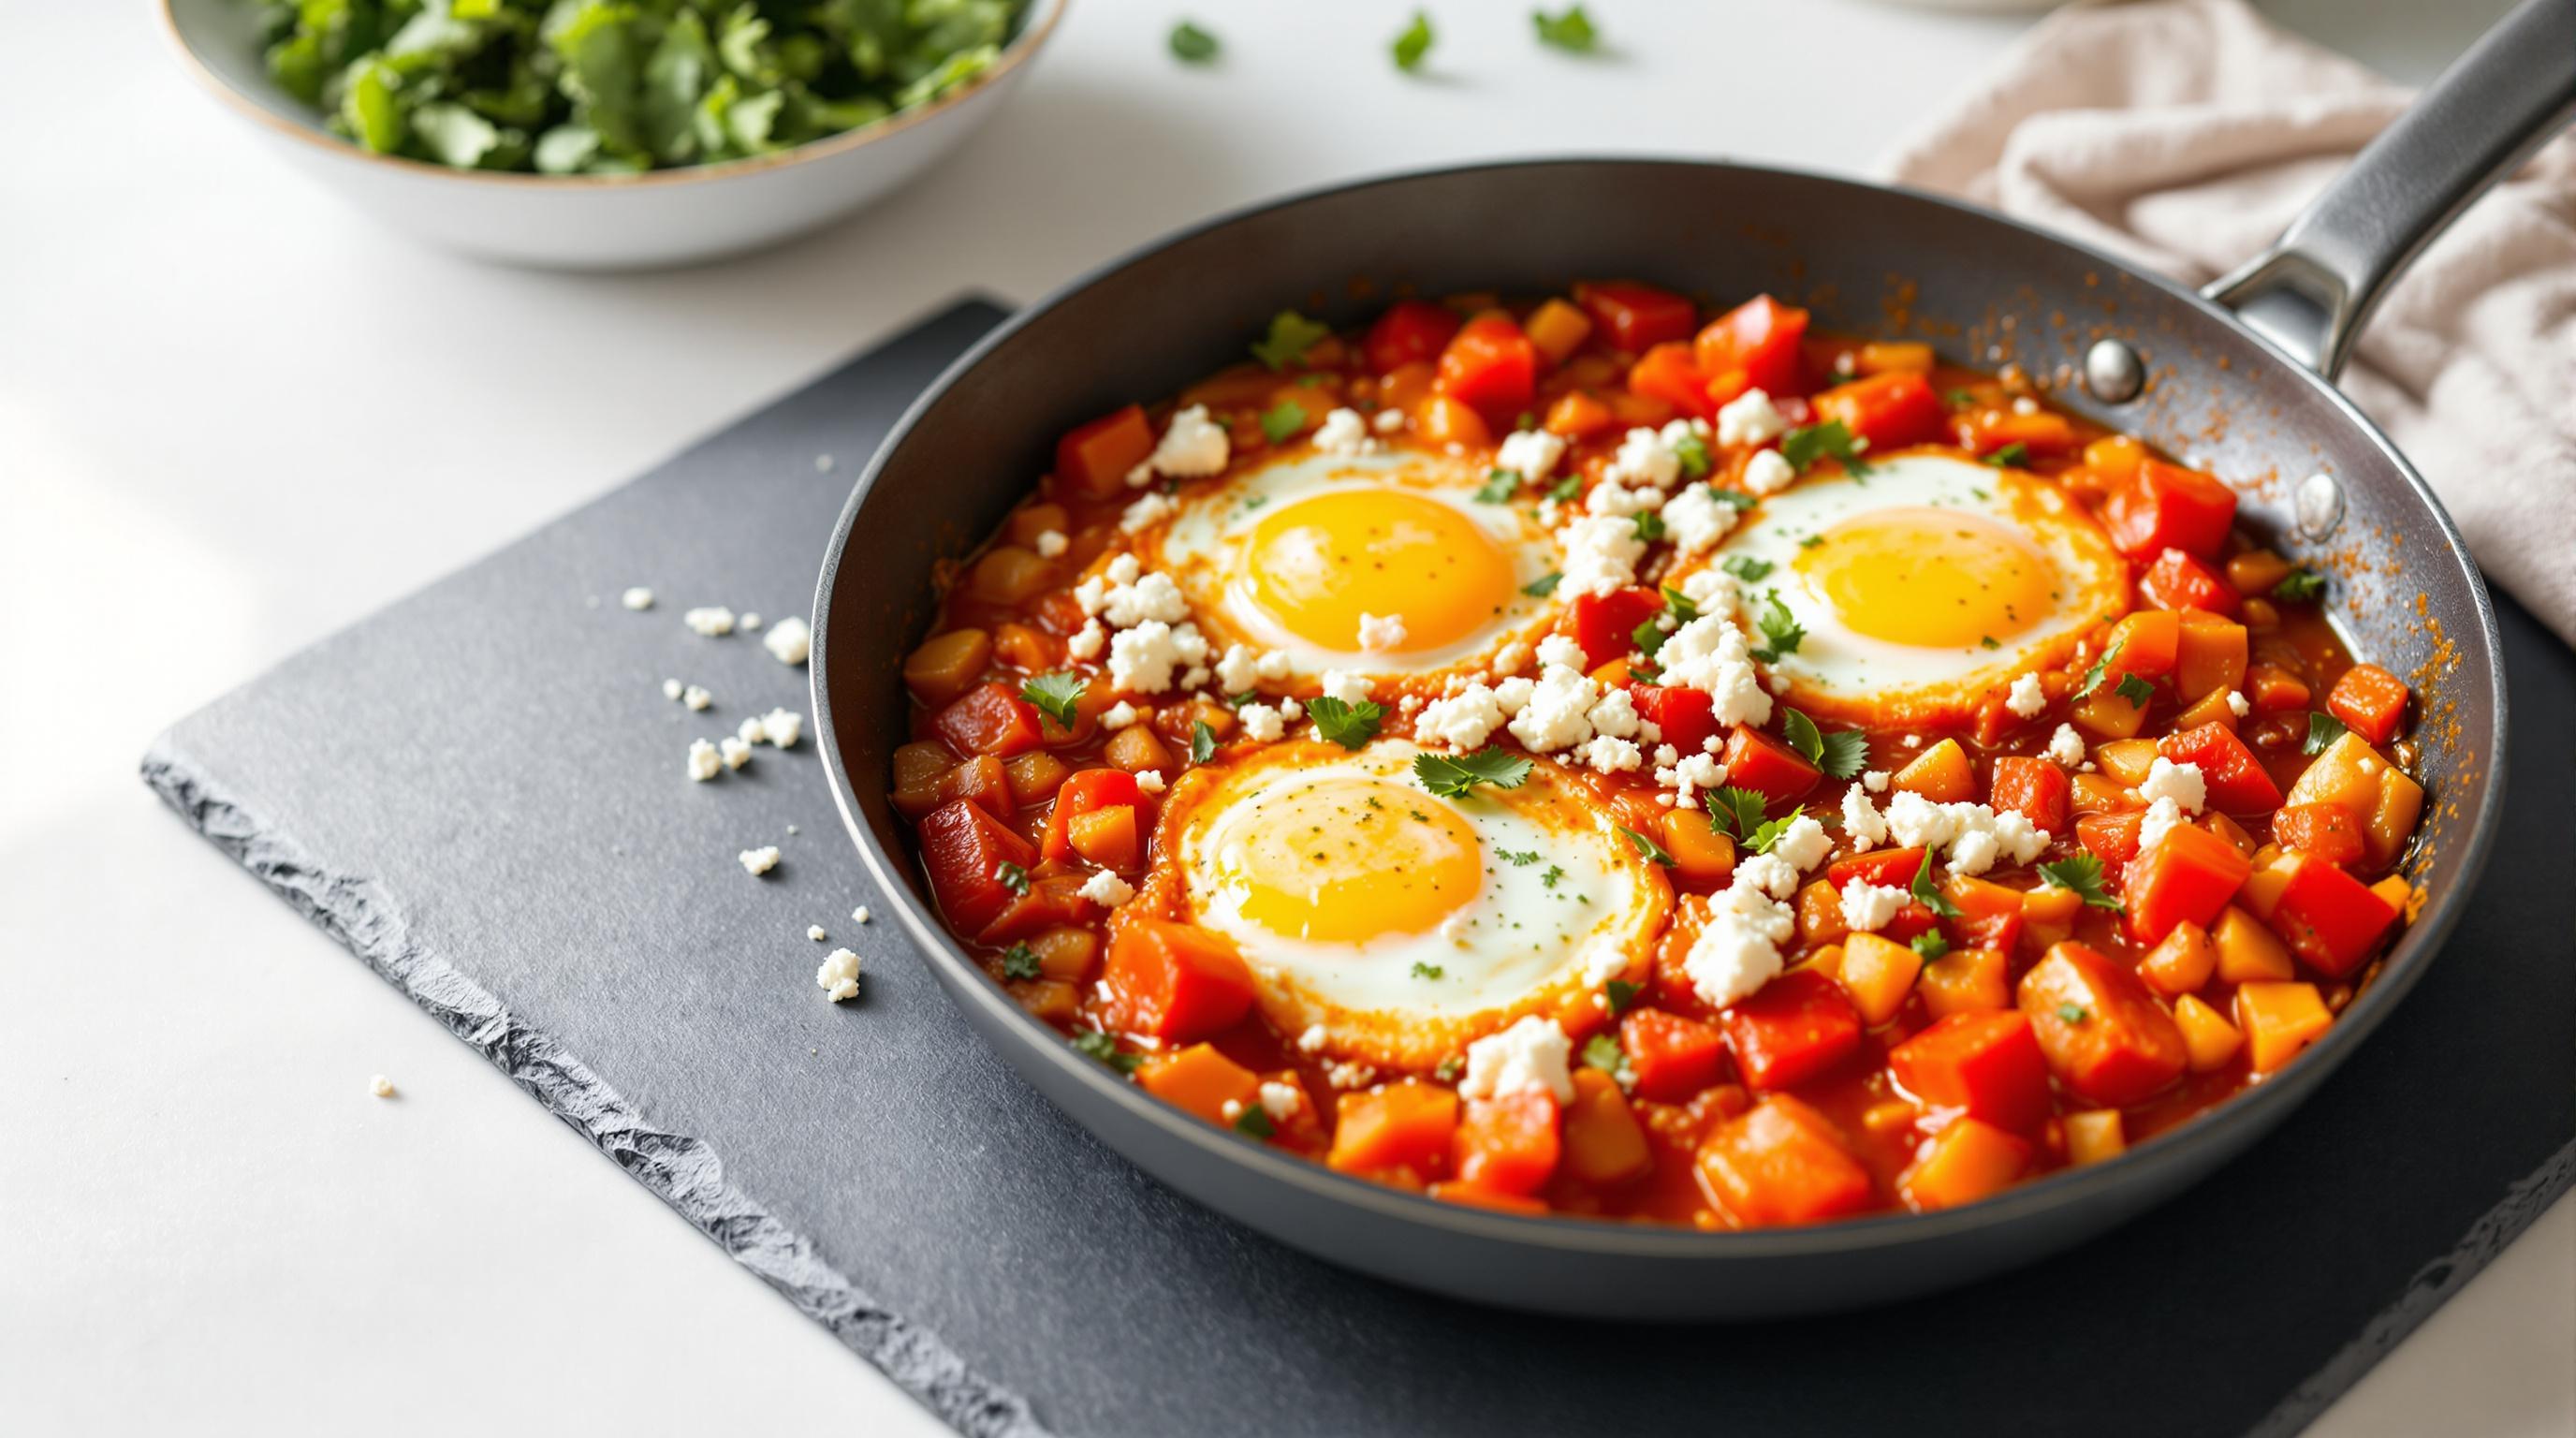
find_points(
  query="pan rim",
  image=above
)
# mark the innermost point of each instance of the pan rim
(2244, 1116)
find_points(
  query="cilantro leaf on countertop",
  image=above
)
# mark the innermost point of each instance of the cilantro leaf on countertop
(1192, 44)
(1571, 32)
(1414, 43)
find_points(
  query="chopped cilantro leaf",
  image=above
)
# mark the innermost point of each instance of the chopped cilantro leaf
(1520, 859)
(1565, 489)
(1778, 626)
(2015, 453)
(1646, 848)
(1543, 586)
(1683, 610)
(1648, 637)
(1499, 486)
(1734, 499)
(1193, 44)
(1414, 43)
(1929, 945)
(1928, 896)
(1449, 1069)
(2081, 875)
(1602, 1052)
(1693, 452)
(1988, 641)
(1255, 1120)
(1291, 335)
(1621, 993)
(1554, 873)
(2323, 729)
(1202, 741)
(2072, 1013)
(1237, 701)
(1747, 568)
(1422, 970)
(1571, 32)
(1840, 755)
(1012, 876)
(1054, 695)
(1958, 398)
(1735, 811)
(1346, 724)
(2300, 586)
(2134, 689)
(2101, 670)
(1768, 833)
(1448, 777)
(1092, 1043)
(1650, 525)
(1282, 420)
(1803, 446)
(1019, 961)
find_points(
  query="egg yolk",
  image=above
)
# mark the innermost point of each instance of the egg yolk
(1319, 564)
(1936, 578)
(1346, 860)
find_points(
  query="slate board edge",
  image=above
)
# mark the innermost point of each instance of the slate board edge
(682, 1171)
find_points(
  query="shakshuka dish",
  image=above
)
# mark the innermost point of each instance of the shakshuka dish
(1597, 757)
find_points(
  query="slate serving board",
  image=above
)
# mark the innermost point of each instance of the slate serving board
(480, 791)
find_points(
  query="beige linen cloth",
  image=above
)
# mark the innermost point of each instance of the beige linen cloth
(2184, 134)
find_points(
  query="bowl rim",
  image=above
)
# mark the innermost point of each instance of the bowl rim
(2240, 1120)
(1034, 34)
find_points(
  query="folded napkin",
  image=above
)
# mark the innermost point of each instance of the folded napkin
(2184, 134)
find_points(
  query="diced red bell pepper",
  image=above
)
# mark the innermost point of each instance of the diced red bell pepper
(1989, 916)
(988, 719)
(1668, 373)
(1987, 1063)
(1508, 1144)
(1606, 624)
(1051, 902)
(1754, 760)
(1490, 366)
(1094, 458)
(2331, 919)
(2169, 507)
(1687, 718)
(1086, 791)
(2113, 839)
(1174, 982)
(1798, 1026)
(2237, 781)
(2106, 1038)
(1781, 1162)
(1672, 1057)
(2186, 581)
(1887, 868)
(2188, 876)
(1410, 332)
(2320, 831)
(1637, 317)
(2370, 701)
(963, 849)
(2037, 788)
(1757, 342)
(1889, 410)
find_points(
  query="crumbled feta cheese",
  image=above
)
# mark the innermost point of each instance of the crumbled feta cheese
(782, 727)
(2066, 747)
(1237, 670)
(1192, 444)
(751, 730)
(757, 862)
(696, 698)
(1804, 844)
(1868, 907)
(751, 621)
(1150, 781)
(383, 1087)
(789, 640)
(1088, 641)
(1695, 521)
(735, 752)
(1553, 717)
(673, 689)
(1613, 498)
(2024, 404)
(1052, 543)
(1711, 589)
(1262, 723)
(1738, 949)
(1118, 716)
(1692, 772)
(1532, 454)
(1615, 715)
(1106, 889)
(1606, 755)
(815, 932)
(1142, 660)
(2162, 818)
(712, 621)
(1711, 655)
(1344, 433)
(1463, 720)
(1291, 711)
(1976, 836)
(1312, 1040)
(859, 915)
(1601, 554)
(2237, 705)
(638, 597)
(1124, 597)
(2181, 783)
(1561, 651)
(1350, 1074)
(1874, 780)
(1861, 822)
(1148, 510)
(2027, 697)
(1348, 687)
(1768, 473)
(838, 977)
(1388, 420)
(704, 762)
(1281, 1100)
(1532, 1054)
(1750, 418)
(1647, 458)
(1379, 632)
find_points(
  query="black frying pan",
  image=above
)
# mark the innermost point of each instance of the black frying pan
(2237, 380)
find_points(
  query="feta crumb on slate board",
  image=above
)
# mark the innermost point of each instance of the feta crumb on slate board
(757, 862)
(712, 620)
(638, 597)
(790, 639)
(839, 976)
(381, 1086)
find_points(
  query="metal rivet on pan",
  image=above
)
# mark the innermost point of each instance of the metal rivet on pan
(2113, 372)
(2319, 505)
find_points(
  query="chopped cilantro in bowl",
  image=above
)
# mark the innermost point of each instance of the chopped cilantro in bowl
(603, 87)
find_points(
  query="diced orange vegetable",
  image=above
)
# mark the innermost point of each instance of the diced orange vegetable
(2187, 877)
(1508, 1144)
(2332, 920)
(1089, 792)
(1988, 1064)
(1698, 850)
(1444, 419)
(1889, 410)
(2370, 701)
(1404, 1127)
(1095, 457)
(2320, 831)
(1604, 1143)
(2166, 506)
(2208, 1039)
(1672, 1057)
(2383, 797)
(2036, 788)
(1877, 974)
(1636, 317)
(1577, 415)
(1174, 981)
(2114, 458)
(1469, 1195)
(2209, 655)
(2246, 951)
(1108, 837)
(2146, 642)
(1964, 981)
(2279, 1020)
(1201, 1080)
(1796, 1027)
(1490, 366)
(2094, 1136)
(1754, 346)
(945, 664)
(2270, 689)
(1884, 356)
(1940, 774)
(2106, 1037)
(1558, 329)
(988, 719)
(1781, 1162)
(1964, 1162)
(2182, 962)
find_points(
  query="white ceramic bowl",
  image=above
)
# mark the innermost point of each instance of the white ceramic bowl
(595, 222)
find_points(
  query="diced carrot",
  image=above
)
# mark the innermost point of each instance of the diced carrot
(1577, 415)
(946, 663)
(2331, 919)
(2383, 798)
(2279, 1020)
(1964, 981)
(1108, 838)
(1087, 792)
(2036, 788)
(2320, 831)
(2237, 781)
(1404, 1126)
(2208, 1039)
(2245, 951)
(1051, 902)
(2146, 642)
(988, 719)
(1798, 1026)
(1754, 760)
(1604, 1143)
(2210, 658)
(2094, 1136)
(2166, 506)
(1756, 341)
(1094, 458)
(1508, 1144)
(1889, 410)
(1201, 1080)
(1940, 774)
(2106, 1037)
(1876, 974)
(2113, 839)
(2270, 689)
(2114, 459)
(1989, 917)
(2186, 581)
(1964, 1162)
(1410, 332)
(1700, 853)
(1558, 329)
(1881, 356)
(1446, 419)
(1672, 1057)
(2370, 701)
(2187, 877)
(1173, 981)
(1666, 372)
(1781, 1162)
(2182, 962)
(1988, 1063)
(1637, 317)
(963, 849)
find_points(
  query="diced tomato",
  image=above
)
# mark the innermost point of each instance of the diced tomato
(1984, 430)
(2238, 783)
(1889, 410)
(1490, 366)
(1667, 373)
(2037, 788)
(1687, 718)
(2271, 689)
(1508, 1144)
(1576, 415)
(1084, 792)
(1987, 1063)
(963, 849)
(1411, 331)
(2169, 507)
(2320, 831)
(2113, 839)
(988, 719)
(1757, 342)
(1404, 1127)
(1990, 915)
(1799, 1025)
(984, 780)
(1174, 982)
(1754, 760)
(2370, 701)
(1605, 624)
(2189, 875)
(2331, 919)
(1094, 458)
(1050, 902)
(1781, 1162)
(2186, 581)
(2106, 1038)
(1964, 1162)
(1887, 868)
(1637, 317)
(1672, 1057)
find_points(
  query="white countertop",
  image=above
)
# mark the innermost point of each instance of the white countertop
(233, 418)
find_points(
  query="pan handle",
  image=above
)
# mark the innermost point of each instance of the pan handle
(2506, 97)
